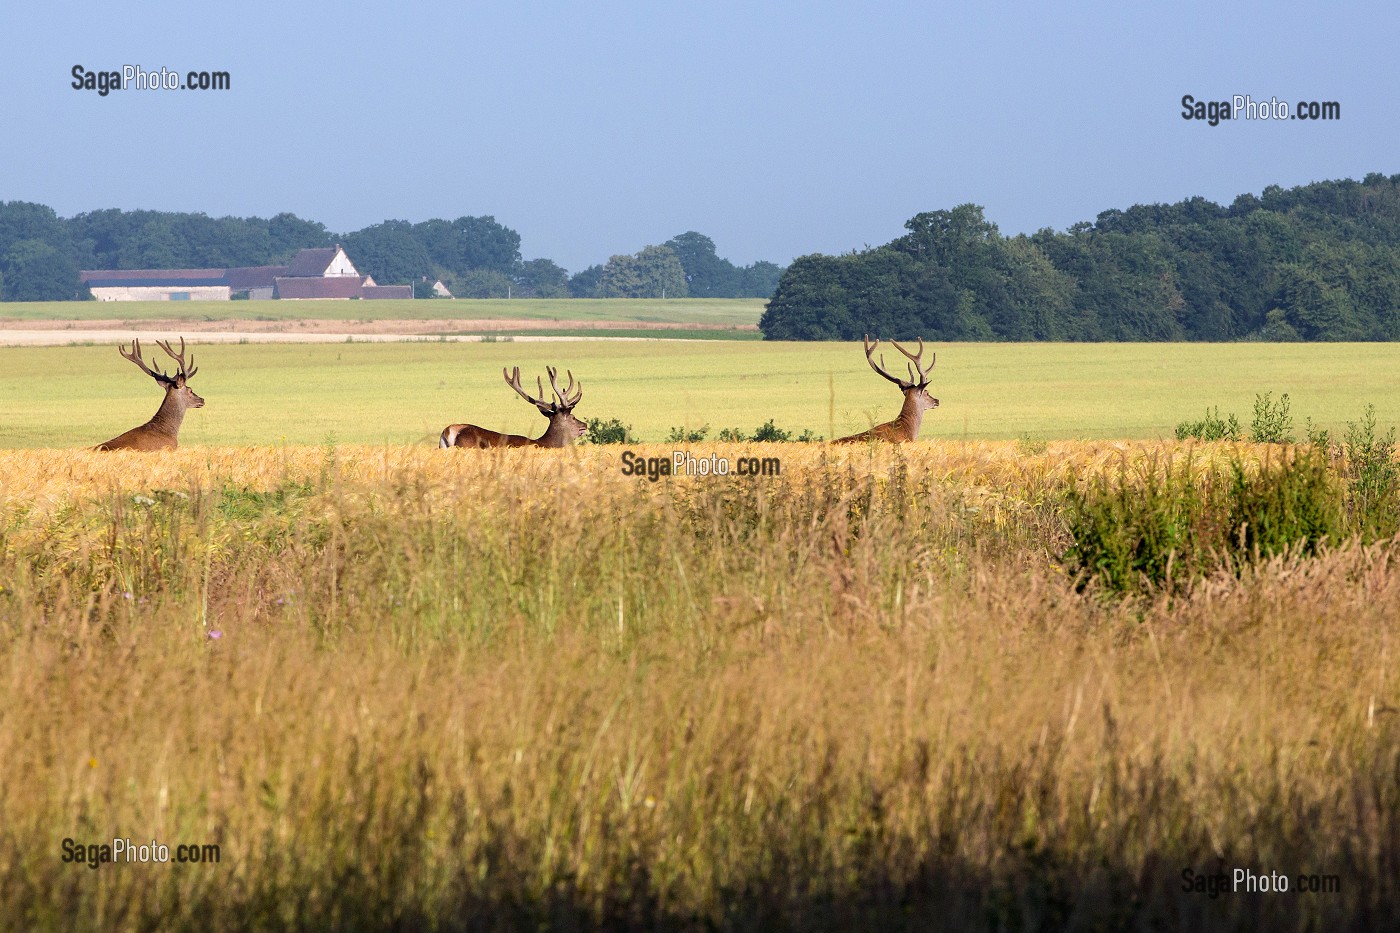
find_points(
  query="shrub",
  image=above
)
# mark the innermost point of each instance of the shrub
(1372, 478)
(685, 436)
(1210, 428)
(1292, 504)
(768, 431)
(611, 431)
(1157, 526)
(1131, 531)
(1272, 422)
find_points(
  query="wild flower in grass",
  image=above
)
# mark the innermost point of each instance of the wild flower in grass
(214, 634)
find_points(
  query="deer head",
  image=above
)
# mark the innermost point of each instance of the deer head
(563, 428)
(915, 388)
(176, 383)
(916, 397)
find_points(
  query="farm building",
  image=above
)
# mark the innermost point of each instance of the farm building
(157, 284)
(312, 273)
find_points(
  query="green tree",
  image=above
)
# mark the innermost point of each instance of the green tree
(655, 272)
(389, 251)
(288, 233)
(33, 270)
(542, 278)
(468, 243)
(706, 275)
(759, 280)
(584, 284)
(481, 283)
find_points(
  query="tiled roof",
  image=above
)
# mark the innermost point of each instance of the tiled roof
(335, 286)
(311, 261)
(241, 277)
(386, 291)
(99, 278)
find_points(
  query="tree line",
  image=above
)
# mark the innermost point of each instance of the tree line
(1315, 262)
(41, 255)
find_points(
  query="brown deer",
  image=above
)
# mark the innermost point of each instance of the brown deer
(916, 397)
(563, 428)
(162, 431)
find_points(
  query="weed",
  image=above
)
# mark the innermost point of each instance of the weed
(1210, 428)
(1272, 422)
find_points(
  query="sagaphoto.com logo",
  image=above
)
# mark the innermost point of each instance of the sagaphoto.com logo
(1245, 107)
(134, 77)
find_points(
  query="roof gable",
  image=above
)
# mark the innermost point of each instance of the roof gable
(318, 261)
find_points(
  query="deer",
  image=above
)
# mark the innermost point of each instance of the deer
(163, 430)
(563, 428)
(905, 428)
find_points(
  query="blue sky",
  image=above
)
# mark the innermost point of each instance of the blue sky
(777, 129)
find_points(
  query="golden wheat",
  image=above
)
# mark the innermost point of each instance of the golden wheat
(413, 688)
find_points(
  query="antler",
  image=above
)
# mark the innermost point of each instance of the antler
(514, 382)
(914, 363)
(135, 357)
(186, 371)
(565, 402)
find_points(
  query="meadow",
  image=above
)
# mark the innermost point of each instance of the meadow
(714, 311)
(404, 688)
(405, 393)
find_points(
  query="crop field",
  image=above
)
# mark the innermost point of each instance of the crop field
(395, 687)
(405, 393)
(713, 311)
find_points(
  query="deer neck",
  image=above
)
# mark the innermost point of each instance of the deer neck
(556, 435)
(169, 416)
(910, 417)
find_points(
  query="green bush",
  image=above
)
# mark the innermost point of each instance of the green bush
(1272, 422)
(1292, 504)
(1372, 478)
(611, 431)
(1134, 531)
(768, 431)
(685, 436)
(1210, 428)
(1161, 525)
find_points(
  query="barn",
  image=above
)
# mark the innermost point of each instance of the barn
(313, 273)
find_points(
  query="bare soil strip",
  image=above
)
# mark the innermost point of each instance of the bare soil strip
(59, 338)
(413, 328)
(58, 333)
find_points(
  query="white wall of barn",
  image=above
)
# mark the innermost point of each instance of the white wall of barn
(161, 292)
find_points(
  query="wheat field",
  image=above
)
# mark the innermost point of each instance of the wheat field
(404, 688)
(405, 393)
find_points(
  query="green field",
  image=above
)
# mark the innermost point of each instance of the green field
(406, 392)
(714, 311)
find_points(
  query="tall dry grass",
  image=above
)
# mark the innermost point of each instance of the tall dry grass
(454, 691)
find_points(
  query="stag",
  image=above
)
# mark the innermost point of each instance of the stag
(563, 428)
(163, 430)
(916, 397)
